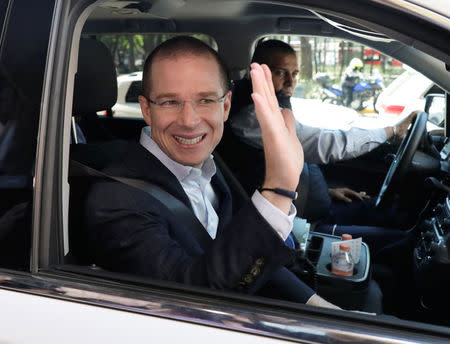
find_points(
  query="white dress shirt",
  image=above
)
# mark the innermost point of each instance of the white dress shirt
(196, 182)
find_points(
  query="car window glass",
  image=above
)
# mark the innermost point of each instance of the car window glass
(20, 95)
(385, 90)
(133, 92)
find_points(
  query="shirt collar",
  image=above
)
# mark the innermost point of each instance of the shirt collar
(181, 172)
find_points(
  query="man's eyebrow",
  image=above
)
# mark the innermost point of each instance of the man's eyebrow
(174, 95)
(166, 95)
(208, 94)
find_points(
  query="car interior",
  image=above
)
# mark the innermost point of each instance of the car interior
(416, 180)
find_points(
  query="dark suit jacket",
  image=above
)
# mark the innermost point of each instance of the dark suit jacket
(129, 231)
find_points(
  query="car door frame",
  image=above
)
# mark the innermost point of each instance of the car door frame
(50, 213)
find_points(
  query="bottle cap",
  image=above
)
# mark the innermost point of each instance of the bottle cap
(346, 237)
(344, 247)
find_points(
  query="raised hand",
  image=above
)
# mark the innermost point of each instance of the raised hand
(282, 149)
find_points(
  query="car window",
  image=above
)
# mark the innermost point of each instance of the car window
(322, 63)
(20, 95)
(386, 89)
(134, 92)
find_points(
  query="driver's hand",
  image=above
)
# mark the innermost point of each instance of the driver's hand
(347, 195)
(282, 149)
(403, 126)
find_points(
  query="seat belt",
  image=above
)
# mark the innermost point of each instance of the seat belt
(174, 205)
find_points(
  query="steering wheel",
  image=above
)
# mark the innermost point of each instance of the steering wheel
(402, 160)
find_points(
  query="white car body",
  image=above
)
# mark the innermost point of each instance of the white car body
(404, 95)
(122, 108)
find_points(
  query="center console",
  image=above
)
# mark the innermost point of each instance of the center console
(349, 292)
(319, 253)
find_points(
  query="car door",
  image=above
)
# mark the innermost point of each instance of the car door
(44, 297)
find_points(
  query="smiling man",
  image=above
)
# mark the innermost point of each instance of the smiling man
(185, 102)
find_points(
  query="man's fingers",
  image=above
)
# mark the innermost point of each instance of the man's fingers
(403, 125)
(352, 193)
(345, 199)
(261, 84)
(261, 109)
(270, 88)
(362, 195)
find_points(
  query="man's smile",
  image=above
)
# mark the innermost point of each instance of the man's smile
(186, 141)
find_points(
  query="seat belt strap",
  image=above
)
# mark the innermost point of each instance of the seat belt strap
(174, 205)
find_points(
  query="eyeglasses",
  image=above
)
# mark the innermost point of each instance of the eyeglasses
(201, 104)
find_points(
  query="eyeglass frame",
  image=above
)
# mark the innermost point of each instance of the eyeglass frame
(183, 101)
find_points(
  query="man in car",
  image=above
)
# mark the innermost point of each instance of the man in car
(319, 145)
(185, 102)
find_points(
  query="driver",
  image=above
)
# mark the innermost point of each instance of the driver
(319, 145)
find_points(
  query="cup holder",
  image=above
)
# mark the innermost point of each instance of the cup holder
(355, 271)
(314, 248)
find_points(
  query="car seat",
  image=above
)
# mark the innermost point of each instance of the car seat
(95, 89)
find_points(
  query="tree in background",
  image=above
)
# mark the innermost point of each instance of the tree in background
(306, 63)
(125, 49)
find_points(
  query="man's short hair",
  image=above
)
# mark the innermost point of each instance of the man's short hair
(182, 45)
(266, 49)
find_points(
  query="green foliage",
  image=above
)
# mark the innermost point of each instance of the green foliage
(130, 50)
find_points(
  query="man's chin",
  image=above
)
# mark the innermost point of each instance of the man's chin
(194, 162)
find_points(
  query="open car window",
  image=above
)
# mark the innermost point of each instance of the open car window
(322, 65)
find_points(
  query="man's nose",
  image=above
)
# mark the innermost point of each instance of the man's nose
(288, 79)
(188, 116)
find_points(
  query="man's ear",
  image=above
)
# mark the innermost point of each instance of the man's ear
(226, 106)
(145, 109)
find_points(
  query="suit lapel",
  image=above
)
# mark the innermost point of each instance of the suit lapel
(143, 165)
(223, 193)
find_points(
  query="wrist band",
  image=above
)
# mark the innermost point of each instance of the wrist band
(283, 192)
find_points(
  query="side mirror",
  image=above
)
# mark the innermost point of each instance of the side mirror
(435, 108)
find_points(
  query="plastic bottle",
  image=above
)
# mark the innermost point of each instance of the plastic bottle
(342, 262)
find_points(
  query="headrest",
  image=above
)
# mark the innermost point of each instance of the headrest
(96, 80)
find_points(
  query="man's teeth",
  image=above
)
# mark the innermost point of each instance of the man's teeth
(188, 141)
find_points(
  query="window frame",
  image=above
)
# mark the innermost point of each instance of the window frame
(48, 248)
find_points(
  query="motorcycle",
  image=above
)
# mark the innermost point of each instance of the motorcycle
(364, 91)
